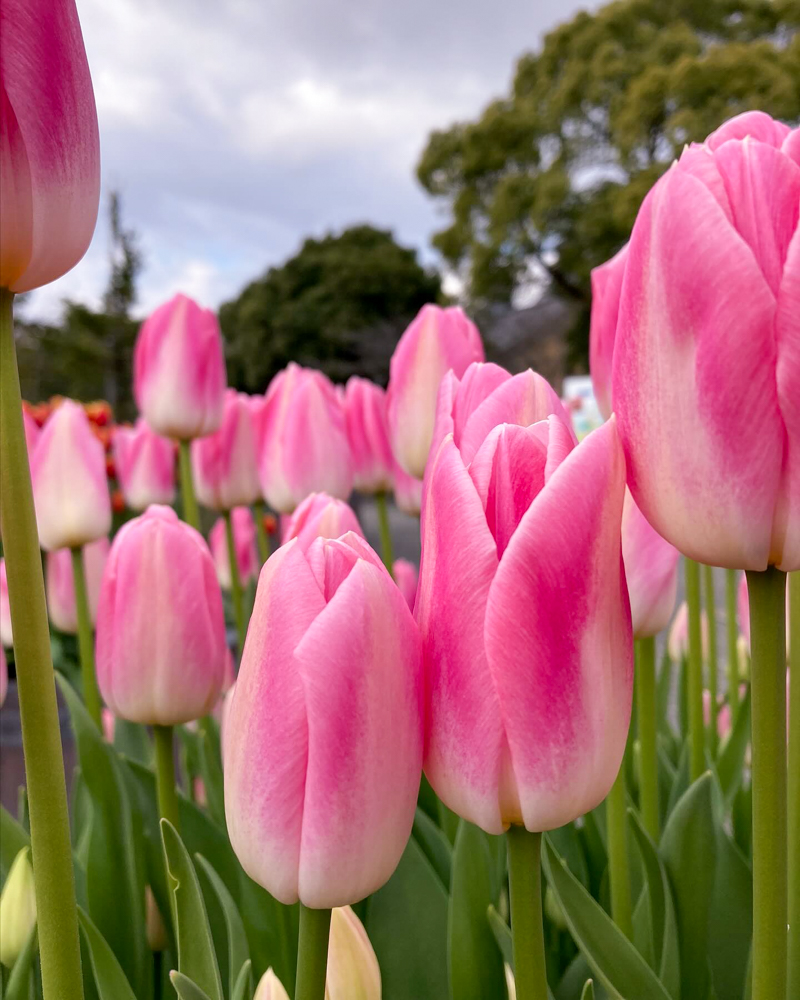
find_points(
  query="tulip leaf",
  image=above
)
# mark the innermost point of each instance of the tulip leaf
(196, 956)
(611, 956)
(681, 782)
(664, 693)
(185, 988)
(502, 935)
(108, 975)
(13, 837)
(688, 850)
(435, 846)
(588, 990)
(567, 841)
(476, 966)
(238, 952)
(574, 980)
(732, 920)
(211, 770)
(19, 982)
(730, 763)
(243, 988)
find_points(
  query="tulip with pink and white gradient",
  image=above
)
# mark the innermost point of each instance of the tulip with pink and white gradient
(320, 516)
(323, 737)
(70, 487)
(368, 434)
(707, 350)
(224, 463)
(438, 341)
(302, 440)
(6, 631)
(525, 620)
(145, 466)
(179, 370)
(244, 542)
(651, 570)
(407, 491)
(406, 575)
(60, 582)
(160, 626)
(606, 290)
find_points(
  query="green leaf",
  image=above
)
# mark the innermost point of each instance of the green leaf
(435, 846)
(567, 842)
(574, 979)
(730, 763)
(688, 850)
(185, 988)
(108, 975)
(448, 821)
(731, 920)
(611, 956)
(19, 982)
(502, 935)
(476, 967)
(13, 838)
(196, 956)
(664, 693)
(238, 952)
(132, 740)
(243, 988)
(681, 782)
(588, 990)
(211, 771)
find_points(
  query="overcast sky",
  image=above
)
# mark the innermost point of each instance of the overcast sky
(235, 128)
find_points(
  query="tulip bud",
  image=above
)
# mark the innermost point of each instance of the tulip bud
(50, 149)
(368, 434)
(61, 583)
(511, 984)
(320, 516)
(6, 631)
(109, 724)
(437, 341)
(155, 930)
(651, 571)
(244, 542)
(353, 971)
(323, 738)
(302, 437)
(224, 463)
(407, 492)
(179, 370)
(32, 432)
(70, 488)
(144, 463)
(17, 909)
(606, 289)
(405, 576)
(160, 627)
(270, 988)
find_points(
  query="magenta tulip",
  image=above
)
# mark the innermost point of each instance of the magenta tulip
(320, 516)
(6, 631)
(49, 144)
(160, 627)
(145, 466)
(323, 738)
(651, 569)
(525, 622)
(224, 463)
(707, 352)
(70, 488)
(61, 583)
(244, 542)
(405, 575)
(302, 436)
(368, 434)
(606, 290)
(179, 370)
(438, 341)
(407, 491)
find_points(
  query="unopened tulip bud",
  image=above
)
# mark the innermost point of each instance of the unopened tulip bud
(651, 572)
(606, 289)
(353, 970)
(368, 434)
(61, 584)
(6, 631)
(407, 492)
(144, 463)
(244, 542)
(405, 575)
(160, 626)
(270, 988)
(511, 984)
(224, 463)
(155, 930)
(321, 516)
(17, 909)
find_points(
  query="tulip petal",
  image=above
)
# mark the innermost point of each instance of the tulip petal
(786, 541)
(651, 570)
(606, 287)
(753, 124)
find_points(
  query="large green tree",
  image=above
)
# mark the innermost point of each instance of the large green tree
(339, 304)
(549, 178)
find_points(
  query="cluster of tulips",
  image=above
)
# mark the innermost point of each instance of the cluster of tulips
(388, 747)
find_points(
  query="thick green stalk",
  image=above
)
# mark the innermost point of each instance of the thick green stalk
(713, 666)
(312, 953)
(618, 870)
(191, 513)
(91, 695)
(261, 532)
(387, 549)
(527, 928)
(648, 728)
(236, 582)
(732, 627)
(768, 684)
(165, 775)
(794, 786)
(697, 757)
(57, 915)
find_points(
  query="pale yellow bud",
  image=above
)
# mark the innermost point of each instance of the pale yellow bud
(353, 971)
(270, 988)
(511, 984)
(17, 909)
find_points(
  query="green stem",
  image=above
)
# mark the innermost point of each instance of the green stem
(794, 786)
(713, 666)
(387, 549)
(191, 513)
(57, 914)
(732, 627)
(261, 532)
(91, 695)
(768, 684)
(618, 871)
(697, 759)
(165, 775)
(312, 953)
(647, 721)
(236, 582)
(527, 928)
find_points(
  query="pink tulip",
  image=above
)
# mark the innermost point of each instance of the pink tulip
(179, 370)
(405, 575)
(32, 433)
(678, 639)
(320, 516)
(49, 144)
(3, 676)
(438, 341)
(109, 724)
(303, 440)
(70, 488)
(651, 569)
(6, 632)
(368, 434)
(224, 463)
(160, 627)
(61, 584)
(525, 623)
(707, 352)
(407, 492)
(606, 289)
(145, 466)
(245, 543)
(323, 738)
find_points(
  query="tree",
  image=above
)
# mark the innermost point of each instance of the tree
(340, 304)
(546, 183)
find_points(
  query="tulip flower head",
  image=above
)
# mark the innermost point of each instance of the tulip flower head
(651, 570)
(179, 370)
(707, 356)
(320, 516)
(368, 434)
(323, 738)
(145, 466)
(224, 463)
(160, 627)
(353, 972)
(17, 908)
(70, 487)
(6, 631)
(61, 603)
(49, 144)
(244, 542)
(405, 575)
(407, 492)
(606, 290)
(270, 988)
(438, 341)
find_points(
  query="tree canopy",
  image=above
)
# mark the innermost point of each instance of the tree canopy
(549, 178)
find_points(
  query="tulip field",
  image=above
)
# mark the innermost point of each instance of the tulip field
(558, 759)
